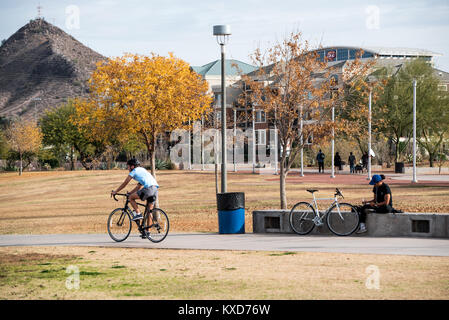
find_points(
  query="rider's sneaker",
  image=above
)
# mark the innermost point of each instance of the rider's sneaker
(136, 216)
(362, 229)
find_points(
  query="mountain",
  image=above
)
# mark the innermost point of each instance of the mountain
(41, 66)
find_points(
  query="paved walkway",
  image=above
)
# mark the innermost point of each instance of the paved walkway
(246, 242)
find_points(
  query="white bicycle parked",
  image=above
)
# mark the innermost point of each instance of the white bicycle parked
(341, 218)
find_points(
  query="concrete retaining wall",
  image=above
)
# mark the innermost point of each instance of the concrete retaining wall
(427, 225)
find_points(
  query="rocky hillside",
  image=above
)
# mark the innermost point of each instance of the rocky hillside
(40, 67)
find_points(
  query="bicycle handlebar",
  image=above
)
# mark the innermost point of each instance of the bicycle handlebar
(120, 194)
(338, 193)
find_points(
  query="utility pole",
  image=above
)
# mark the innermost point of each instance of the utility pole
(333, 141)
(415, 180)
(302, 142)
(222, 32)
(369, 134)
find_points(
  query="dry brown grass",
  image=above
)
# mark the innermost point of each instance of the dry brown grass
(79, 201)
(112, 273)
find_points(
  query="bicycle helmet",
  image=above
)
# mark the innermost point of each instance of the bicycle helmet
(133, 162)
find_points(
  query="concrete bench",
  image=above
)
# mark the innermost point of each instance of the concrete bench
(428, 225)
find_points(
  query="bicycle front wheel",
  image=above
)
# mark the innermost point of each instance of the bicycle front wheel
(156, 225)
(301, 218)
(342, 219)
(119, 225)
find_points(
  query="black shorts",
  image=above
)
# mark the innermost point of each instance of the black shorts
(145, 193)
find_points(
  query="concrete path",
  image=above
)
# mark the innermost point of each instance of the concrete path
(246, 242)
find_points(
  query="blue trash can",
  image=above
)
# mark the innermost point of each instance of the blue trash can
(231, 212)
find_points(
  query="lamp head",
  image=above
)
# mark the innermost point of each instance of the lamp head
(222, 32)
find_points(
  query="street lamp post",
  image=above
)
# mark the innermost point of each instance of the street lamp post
(302, 142)
(333, 142)
(254, 140)
(334, 80)
(369, 134)
(235, 140)
(222, 32)
(415, 180)
(275, 142)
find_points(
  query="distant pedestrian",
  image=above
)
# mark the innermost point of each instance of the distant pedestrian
(365, 161)
(351, 161)
(337, 161)
(320, 159)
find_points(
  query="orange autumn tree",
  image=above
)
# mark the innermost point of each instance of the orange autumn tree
(355, 101)
(143, 96)
(24, 136)
(291, 84)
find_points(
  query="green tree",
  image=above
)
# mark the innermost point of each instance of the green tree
(66, 138)
(3, 145)
(432, 107)
(397, 111)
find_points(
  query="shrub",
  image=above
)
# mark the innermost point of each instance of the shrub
(164, 164)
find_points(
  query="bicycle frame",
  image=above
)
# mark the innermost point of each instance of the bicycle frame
(127, 209)
(317, 211)
(341, 218)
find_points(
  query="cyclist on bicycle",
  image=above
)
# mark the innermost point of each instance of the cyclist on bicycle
(145, 180)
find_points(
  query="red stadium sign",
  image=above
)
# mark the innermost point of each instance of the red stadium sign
(331, 55)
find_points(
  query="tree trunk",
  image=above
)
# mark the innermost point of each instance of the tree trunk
(153, 163)
(431, 156)
(396, 155)
(21, 165)
(72, 162)
(153, 156)
(150, 142)
(282, 177)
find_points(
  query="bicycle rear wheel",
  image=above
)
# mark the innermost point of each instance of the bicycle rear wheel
(119, 225)
(157, 226)
(342, 219)
(301, 218)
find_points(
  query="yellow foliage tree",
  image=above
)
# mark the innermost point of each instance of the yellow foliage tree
(142, 95)
(24, 136)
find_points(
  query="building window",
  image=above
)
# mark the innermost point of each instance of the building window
(261, 137)
(352, 54)
(260, 116)
(442, 87)
(309, 140)
(342, 54)
(367, 55)
(217, 118)
(321, 55)
(217, 99)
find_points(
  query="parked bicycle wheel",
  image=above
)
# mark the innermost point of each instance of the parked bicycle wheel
(119, 225)
(342, 219)
(301, 218)
(156, 227)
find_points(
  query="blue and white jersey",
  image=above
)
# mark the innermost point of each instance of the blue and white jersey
(142, 176)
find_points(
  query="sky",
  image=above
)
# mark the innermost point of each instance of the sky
(113, 27)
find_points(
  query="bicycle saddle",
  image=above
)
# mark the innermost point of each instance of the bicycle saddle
(312, 191)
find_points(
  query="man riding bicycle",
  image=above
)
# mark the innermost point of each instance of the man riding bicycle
(145, 180)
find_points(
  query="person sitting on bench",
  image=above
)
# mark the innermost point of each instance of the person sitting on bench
(382, 202)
